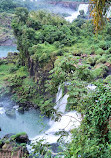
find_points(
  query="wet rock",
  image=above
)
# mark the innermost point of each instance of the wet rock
(16, 107)
(7, 136)
(22, 138)
(10, 113)
(6, 146)
(21, 110)
(1, 143)
(7, 42)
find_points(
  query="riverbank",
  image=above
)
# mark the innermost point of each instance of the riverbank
(14, 145)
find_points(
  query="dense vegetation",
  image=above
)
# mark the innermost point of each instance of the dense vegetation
(99, 10)
(53, 52)
(9, 5)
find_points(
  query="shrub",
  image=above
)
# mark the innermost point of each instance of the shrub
(13, 69)
(100, 51)
(103, 59)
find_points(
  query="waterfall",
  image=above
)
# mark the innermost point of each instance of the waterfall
(68, 121)
(60, 101)
(76, 13)
(109, 12)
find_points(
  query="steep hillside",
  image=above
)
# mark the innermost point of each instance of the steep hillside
(6, 32)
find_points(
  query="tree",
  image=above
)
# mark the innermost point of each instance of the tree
(99, 11)
(21, 14)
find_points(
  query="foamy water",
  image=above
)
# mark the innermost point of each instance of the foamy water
(109, 12)
(76, 13)
(2, 110)
(67, 120)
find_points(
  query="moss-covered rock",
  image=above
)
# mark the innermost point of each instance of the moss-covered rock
(20, 138)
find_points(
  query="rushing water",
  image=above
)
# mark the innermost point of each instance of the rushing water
(76, 13)
(68, 120)
(5, 49)
(109, 12)
(85, 8)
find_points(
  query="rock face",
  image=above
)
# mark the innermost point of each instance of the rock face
(40, 74)
(7, 136)
(7, 42)
(1, 144)
(68, 4)
(10, 113)
(6, 34)
(9, 145)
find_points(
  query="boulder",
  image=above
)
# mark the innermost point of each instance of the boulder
(10, 113)
(1, 143)
(22, 138)
(21, 110)
(7, 136)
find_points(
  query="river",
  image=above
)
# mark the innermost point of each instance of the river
(5, 49)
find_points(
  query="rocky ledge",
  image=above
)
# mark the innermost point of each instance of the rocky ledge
(14, 144)
(68, 4)
(7, 42)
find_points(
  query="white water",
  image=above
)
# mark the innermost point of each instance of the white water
(109, 12)
(85, 8)
(2, 110)
(67, 122)
(76, 13)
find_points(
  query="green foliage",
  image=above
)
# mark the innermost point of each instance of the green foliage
(55, 53)
(42, 52)
(92, 139)
(41, 149)
(100, 71)
(14, 137)
(107, 79)
(22, 14)
(9, 5)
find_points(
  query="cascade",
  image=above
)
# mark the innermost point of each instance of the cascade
(68, 121)
(76, 13)
(109, 12)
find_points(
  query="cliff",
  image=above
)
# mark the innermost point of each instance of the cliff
(6, 32)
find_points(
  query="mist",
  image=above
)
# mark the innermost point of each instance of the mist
(47, 6)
